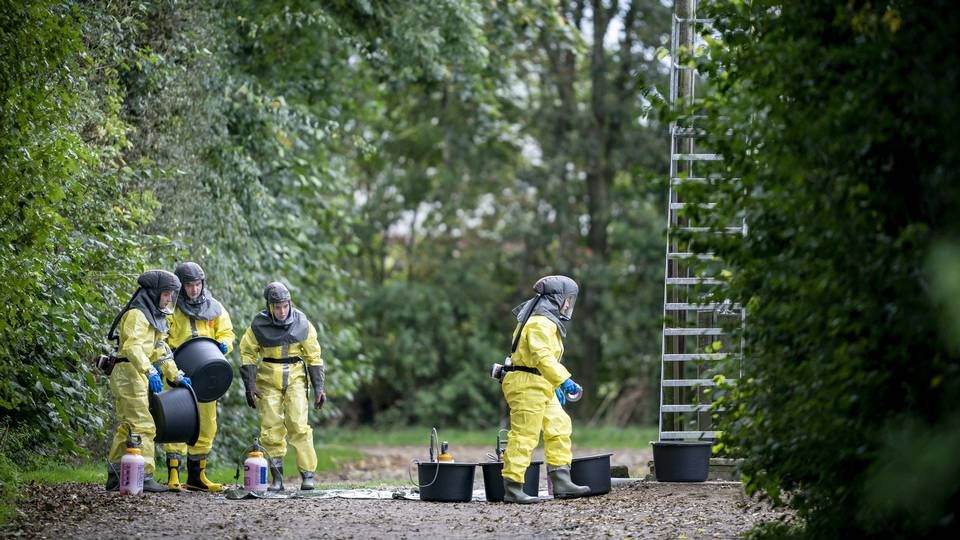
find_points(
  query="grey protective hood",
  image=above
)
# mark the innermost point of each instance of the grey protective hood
(545, 306)
(551, 294)
(203, 308)
(147, 297)
(271, 333)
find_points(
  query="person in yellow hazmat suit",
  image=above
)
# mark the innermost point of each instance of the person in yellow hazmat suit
(277, 353)
(532, 387)
(197, 313)
(143, 327)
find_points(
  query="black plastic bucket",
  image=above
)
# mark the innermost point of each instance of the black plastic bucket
(446, 482)
(176, 415)
(592, 471)
(210, 373)
(493, 480)
(681, 461)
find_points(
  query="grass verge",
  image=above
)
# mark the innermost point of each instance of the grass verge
(599, 437)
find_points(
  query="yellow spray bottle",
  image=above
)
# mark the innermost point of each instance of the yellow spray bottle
(444, 454)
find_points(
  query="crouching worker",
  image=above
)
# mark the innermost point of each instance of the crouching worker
(532, 386)
(285, 343)
(143, 328)
(197, 314)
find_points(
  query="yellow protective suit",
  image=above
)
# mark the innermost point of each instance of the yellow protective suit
(533, 404)
(283, 403)
(183, 328)
(141, 344)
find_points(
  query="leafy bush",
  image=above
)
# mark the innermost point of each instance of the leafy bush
(838, 126)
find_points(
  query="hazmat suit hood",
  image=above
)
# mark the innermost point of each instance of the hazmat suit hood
(147, 297)
(204, 307)
(555, 300)
(271, 332)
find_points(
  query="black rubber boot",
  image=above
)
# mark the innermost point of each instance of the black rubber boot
(152, 486)
(113, 477)
(197, 475)
(513, 493)
(307, 482)
(174, 461)
(276, 474)
(563, 486)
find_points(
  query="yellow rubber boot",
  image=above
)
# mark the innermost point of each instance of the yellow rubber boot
(173, 472)
(197, 475)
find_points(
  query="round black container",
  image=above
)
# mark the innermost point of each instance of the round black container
(493, 480)
(210, 373)
(446, 482)
(592, 471)
(681, 461)
(176, 415)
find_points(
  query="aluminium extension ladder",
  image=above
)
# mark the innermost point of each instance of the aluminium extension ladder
(694, 336)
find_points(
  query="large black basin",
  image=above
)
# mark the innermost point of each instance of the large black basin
(176, 415)
(446, 482)
(210, 373)
(681, 461)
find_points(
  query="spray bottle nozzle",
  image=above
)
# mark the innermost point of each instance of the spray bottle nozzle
(133, 439)
(501, 445)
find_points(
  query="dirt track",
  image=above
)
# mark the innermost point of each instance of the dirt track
(643, 509)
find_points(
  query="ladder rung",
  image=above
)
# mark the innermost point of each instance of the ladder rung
(693, 180)
(699, 435)
(675, 357)
(672, 383)
(682, 205)
(692, 281)
(680, 180)
(724, 230)
(691, 19)
(684, 408)
(693, 331)
(691, 255)
(697, 157)
(691, 306)
(686, 131)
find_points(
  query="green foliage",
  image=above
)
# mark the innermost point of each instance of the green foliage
(838, 130)
(409, 169)
(485, 175)
(63, 230)
(433, 341)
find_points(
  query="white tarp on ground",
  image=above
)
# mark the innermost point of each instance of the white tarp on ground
(407, 494)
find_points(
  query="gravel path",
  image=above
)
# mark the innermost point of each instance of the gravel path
(642, 509)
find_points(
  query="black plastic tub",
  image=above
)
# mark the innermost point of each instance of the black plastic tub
(210, 373)
(493, 480)
(681, 461)
(446, 482)
(592, 471)
(176, 415)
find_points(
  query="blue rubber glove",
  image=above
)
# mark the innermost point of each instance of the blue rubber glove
(185, 381)
(560, 396)
(223, 347)
(154, 382)
(571, 387)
